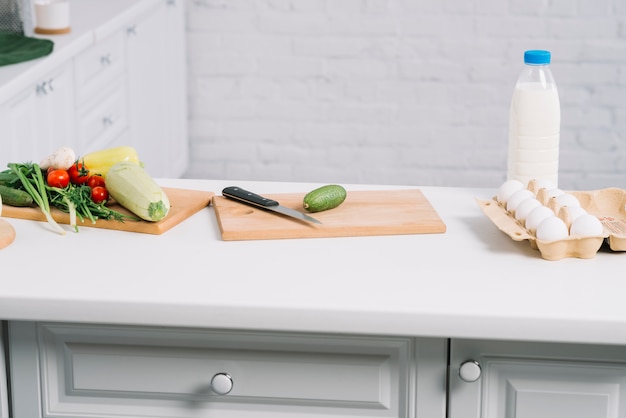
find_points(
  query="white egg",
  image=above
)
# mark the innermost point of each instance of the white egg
(562, 200)
(552, 229)
(507, 189)
(574, 212)
(554, 192)
(535, 216)
(544, 195)
(524, 208)
(567, 199)
(517, 198)
(586, 226)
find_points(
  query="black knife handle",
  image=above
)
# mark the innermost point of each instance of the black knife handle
(245, 196)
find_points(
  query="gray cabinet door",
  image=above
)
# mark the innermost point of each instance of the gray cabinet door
(536, 380)
(4, 401)
(65, 370)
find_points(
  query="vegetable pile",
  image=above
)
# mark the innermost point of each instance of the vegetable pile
(66, 182)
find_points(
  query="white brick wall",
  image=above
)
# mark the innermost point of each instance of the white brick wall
(408, 92)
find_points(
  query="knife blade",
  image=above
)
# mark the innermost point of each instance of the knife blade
(253, 199)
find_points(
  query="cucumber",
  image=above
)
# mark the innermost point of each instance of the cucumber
(15, 197)
(7, 178)
(324, 198)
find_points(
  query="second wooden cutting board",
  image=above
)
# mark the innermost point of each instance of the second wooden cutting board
(363, 213)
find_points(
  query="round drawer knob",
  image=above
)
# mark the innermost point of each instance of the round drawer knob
(470, 371)
(221, 383)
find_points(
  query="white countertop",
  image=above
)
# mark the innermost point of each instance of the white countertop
(472, 281)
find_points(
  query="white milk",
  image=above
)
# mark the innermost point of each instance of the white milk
(534, 131)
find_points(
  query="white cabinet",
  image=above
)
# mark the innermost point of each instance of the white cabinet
(132, 88)
(127, 87)
(101, 94)
(67, 370)
(39, 119)
(157, 88)
(536, 380)
(103, 121)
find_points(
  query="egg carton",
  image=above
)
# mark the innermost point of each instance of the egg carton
(608, 205)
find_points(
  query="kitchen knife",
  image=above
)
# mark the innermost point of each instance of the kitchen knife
(253, 199)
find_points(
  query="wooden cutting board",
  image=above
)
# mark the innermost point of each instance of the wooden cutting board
(7, 234)
(363, 213)
(184, 203)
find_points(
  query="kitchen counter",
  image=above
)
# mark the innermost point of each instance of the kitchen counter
(472, 281)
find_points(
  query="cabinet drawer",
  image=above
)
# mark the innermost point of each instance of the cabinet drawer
(98, 65)
(131, 371)
(99, 121)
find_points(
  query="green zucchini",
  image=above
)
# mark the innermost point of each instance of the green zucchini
(133, 188)
(15, 197)
(324, 198)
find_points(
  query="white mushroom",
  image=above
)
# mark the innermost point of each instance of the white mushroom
(62, 158)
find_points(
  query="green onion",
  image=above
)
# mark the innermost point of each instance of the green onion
(38, 191)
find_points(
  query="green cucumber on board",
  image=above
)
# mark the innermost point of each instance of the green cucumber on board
(324, 198)
(15, 197)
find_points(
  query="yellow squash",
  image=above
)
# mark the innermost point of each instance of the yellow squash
(99, 162)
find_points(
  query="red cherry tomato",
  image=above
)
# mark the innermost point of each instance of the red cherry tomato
(78, 173)
(99, 194)
(58, 178)
(95, 180)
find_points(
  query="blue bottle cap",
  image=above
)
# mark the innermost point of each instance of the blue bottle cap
(537, 57)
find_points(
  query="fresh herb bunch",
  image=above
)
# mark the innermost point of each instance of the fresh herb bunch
(73, 199)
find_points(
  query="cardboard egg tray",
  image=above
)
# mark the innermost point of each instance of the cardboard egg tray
(606, 204)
